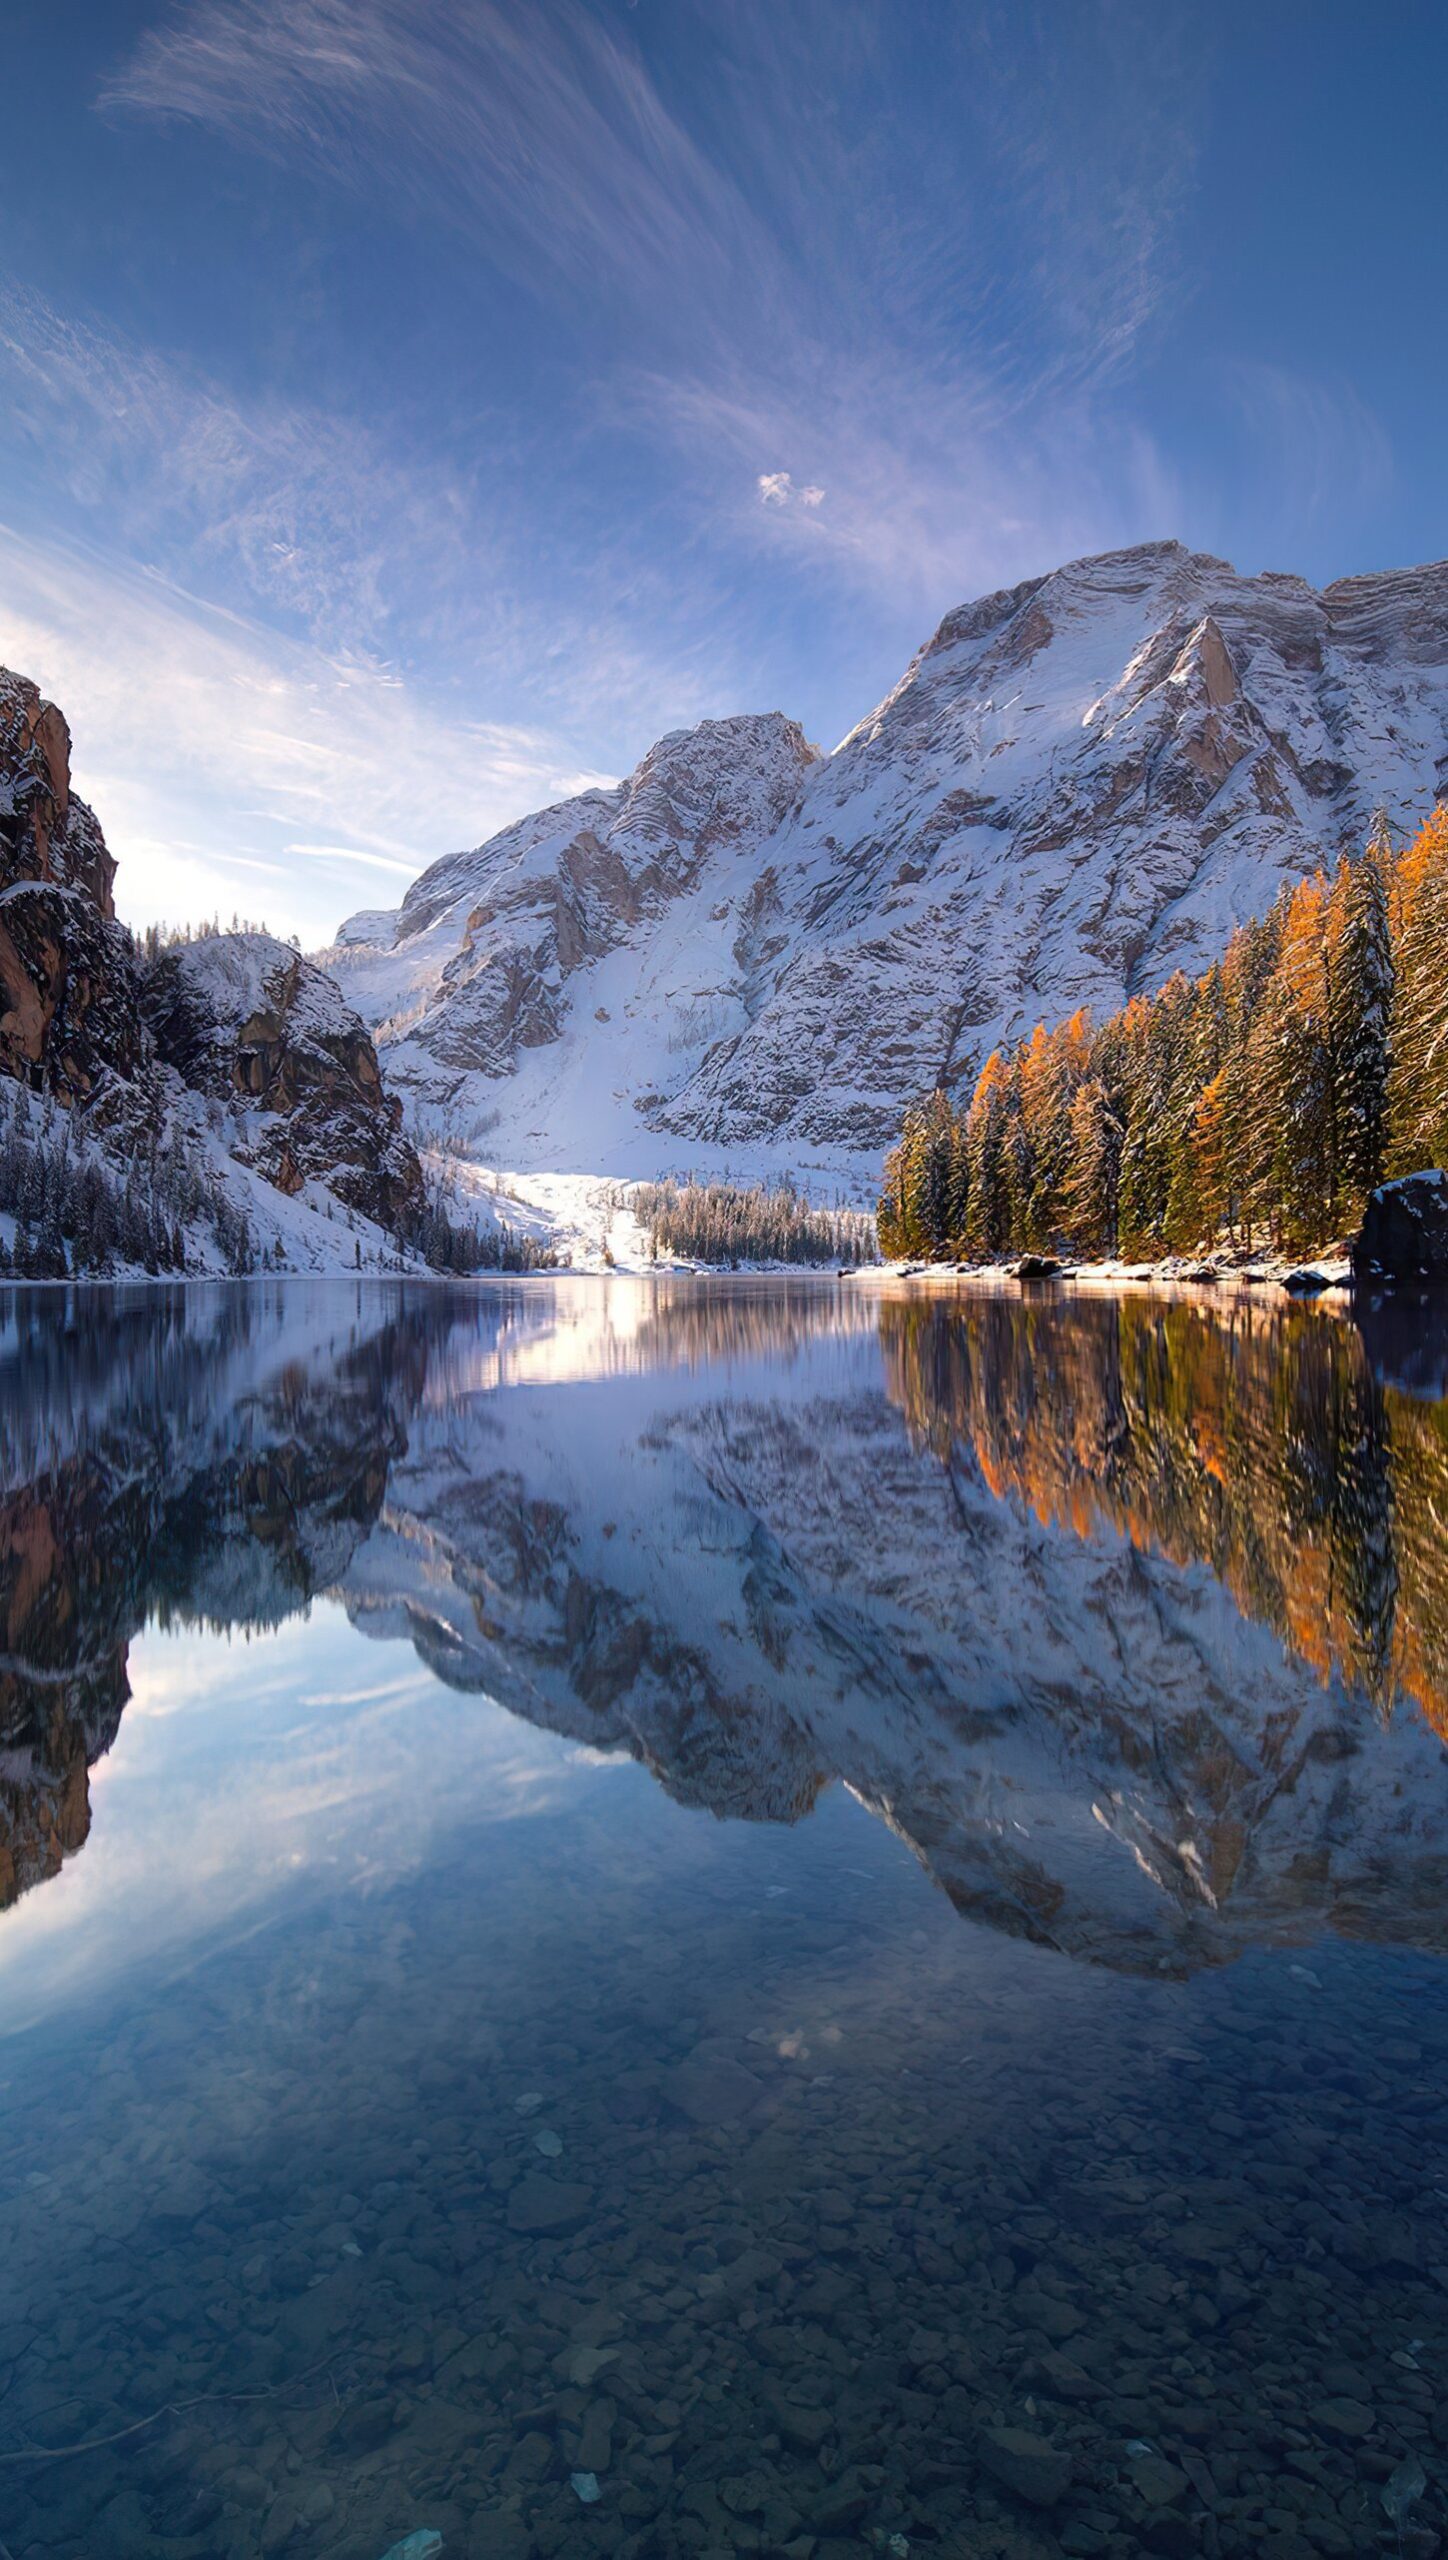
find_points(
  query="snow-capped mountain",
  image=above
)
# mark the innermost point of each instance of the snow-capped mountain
(751, 952)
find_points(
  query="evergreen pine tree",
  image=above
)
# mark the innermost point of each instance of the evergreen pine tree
(1362, 995)
(1092, 1182)
(1418, 1085)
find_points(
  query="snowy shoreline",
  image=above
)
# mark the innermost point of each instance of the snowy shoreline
(1328, 1278)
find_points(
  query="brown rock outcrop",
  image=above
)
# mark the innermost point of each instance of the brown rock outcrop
(244, 1018)
(46, 831)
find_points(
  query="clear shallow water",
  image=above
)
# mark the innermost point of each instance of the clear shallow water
(829, 1910)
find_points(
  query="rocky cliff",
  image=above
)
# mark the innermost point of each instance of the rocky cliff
(245, 1019)
(221, 1093)
(749, 951)
(67, 973)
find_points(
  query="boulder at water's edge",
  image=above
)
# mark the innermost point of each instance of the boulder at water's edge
(1404, 1234)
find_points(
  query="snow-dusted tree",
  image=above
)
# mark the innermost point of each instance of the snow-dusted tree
(1418, 1088)
(1094, 1172)
(1362, 980)
(990, 1207)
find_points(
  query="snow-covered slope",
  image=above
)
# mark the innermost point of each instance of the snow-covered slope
(750, 953)
(570, 969)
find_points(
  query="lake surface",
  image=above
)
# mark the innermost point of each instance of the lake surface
(683, 1918)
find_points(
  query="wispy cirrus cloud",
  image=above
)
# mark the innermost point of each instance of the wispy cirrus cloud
(288, 506)
(231, 768)
(926, 499)
(542, 124)
(368, 548)
(928, 322)
(1317, 444)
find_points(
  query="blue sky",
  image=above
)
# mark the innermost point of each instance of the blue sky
(411, 408)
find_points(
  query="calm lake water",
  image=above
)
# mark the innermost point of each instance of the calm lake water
(715, 1917)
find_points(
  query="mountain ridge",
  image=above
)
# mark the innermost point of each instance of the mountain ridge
(1078, 784)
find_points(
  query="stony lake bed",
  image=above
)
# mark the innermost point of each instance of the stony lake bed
(649, 1918)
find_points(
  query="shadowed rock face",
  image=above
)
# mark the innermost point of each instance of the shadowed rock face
(1079, 785)
(69, 989)
(46, 831)
(67, 973)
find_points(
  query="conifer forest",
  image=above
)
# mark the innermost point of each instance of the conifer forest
(1255, 1106)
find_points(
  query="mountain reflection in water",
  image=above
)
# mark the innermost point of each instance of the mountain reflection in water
(1129, 1617)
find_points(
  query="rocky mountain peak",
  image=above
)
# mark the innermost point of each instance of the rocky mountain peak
(719, 781)
(245, 1018)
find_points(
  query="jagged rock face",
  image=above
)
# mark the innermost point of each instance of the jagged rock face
(240, 1019)
(245, 1018)
(67, 987)
(69, 1013)
(46, 830)
(499, 953)
(1079, 785)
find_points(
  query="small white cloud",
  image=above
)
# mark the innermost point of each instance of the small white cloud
(777, 489)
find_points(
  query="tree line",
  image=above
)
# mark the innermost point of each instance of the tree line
(78, 1210)
(724, 1223)
(1256, 1104)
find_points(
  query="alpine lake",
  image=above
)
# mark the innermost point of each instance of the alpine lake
(671, 1918)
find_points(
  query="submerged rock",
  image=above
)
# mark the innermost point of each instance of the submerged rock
(1347, 2419)
(538, 2204)
(711, 2088)
(1158, 2481)
(1030, 2466)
